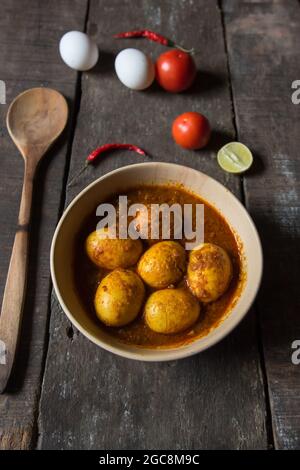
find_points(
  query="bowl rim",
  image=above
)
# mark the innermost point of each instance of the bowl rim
(159, 355)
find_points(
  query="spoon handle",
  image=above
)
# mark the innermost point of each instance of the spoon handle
(13, 298)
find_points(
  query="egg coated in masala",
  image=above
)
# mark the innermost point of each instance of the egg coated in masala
(119, 297)
(209, 272)
(171, 310)
(112, 253)
(163, 264)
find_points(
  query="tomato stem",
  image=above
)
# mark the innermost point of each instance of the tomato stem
(181, 48)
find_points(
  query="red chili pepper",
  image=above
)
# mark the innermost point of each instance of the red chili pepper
(152, 36)
(105, 148)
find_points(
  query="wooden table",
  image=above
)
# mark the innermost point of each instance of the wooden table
(243, 393)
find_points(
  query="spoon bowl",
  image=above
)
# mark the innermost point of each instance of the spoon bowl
(36, 118)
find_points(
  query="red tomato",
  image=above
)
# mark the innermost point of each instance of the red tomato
(175, 70)
(191, 130)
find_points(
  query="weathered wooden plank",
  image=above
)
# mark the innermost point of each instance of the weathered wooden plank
(264, 61)
(29, 35)
(92, 399)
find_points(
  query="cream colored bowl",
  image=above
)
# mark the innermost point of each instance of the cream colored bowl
(121, 180)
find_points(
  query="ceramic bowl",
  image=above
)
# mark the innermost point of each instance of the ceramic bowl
(122, 180)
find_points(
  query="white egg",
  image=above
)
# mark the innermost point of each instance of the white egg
(78, 50)
(134, 69)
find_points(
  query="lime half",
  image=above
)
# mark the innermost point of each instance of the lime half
(235, 157)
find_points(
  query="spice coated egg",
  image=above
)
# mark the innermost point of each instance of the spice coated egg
(163, 264)
(209, 272)
(78, 50)
(134, 69)
(119, 297)
(111, 253)
(171, 310)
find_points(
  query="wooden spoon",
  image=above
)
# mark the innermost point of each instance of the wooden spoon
(35, 119)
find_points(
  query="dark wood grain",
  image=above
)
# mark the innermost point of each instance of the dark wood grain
(264, 61)
(91, 398)
(29, 35)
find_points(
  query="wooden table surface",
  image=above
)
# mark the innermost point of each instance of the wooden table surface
(244, 393)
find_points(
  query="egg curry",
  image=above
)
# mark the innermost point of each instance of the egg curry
(154, 293)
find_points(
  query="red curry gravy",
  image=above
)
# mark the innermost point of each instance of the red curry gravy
(216, 230)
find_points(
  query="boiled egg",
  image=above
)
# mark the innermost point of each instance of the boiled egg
(78, 50)
(134, 69)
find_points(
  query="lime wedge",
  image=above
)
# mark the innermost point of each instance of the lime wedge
(235, 157)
